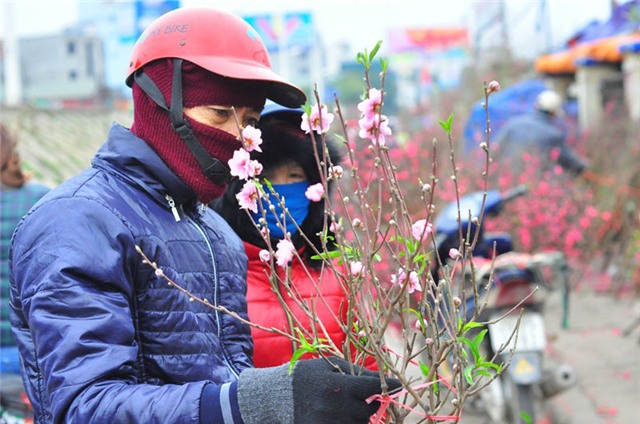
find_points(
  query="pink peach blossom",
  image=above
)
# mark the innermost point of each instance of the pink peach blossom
(319, 120)
(356, 268)
(421, 229)
(248, 197)
(399, 279)
(242, 166)
(371, 106)
(414, 282)
(252, 139)
(334, 227)
(315, 192)
(375, 129)
(284, 252)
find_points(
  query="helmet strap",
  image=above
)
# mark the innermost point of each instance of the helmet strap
(213, 169)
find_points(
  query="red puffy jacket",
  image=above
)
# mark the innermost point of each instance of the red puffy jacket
(271, 349)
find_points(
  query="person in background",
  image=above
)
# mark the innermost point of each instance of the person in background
(17, 196)
(290, 166)
(539, 133)
(103, 338)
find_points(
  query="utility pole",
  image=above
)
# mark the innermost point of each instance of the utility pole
(505, 30)
(544, 26)
(12, 81)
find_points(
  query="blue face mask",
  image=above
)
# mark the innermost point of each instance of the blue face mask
(295, 201)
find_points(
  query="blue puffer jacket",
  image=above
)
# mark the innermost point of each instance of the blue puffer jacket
(102, 338)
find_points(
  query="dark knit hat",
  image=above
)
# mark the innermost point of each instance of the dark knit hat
(153, 124)
(201, 87)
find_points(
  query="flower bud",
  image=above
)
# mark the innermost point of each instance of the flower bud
(336, 172)
(264, 255)
(493, 86)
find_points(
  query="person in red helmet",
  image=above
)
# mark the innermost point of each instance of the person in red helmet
(102, 337)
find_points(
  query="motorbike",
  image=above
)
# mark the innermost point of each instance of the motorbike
(513, 287)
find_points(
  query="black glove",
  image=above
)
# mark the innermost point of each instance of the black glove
(315, 392)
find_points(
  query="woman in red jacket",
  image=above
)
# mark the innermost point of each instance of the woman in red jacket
(290, 166)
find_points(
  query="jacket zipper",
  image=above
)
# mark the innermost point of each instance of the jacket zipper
(172, 206)
(215, 291)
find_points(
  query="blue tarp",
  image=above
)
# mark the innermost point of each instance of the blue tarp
(623, 20)
(504, 104)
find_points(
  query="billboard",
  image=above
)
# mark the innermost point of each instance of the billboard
(146, 11)
(431, 57)
(427, 39)
(285, 30)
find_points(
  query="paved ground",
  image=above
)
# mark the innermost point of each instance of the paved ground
(606, 359)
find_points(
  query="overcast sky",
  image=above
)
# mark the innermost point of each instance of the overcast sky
(362, 22)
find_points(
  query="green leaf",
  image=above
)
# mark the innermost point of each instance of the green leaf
(525, 417)
(435, 385)
(418, 315)
(384, 65)
(486, 373)
(496, 367)
(375, 50)
(424, 369)
(472, 324)
(473, 349)
(478, 339)
(294, 358)
(446, 125)
(327, 255)
(468, 374)
(268, 184)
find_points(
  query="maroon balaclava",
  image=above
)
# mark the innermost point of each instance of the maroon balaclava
(199, 87)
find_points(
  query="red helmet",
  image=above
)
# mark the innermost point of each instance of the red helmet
(217, 41)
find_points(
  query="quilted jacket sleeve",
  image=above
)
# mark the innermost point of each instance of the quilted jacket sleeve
(73, 261)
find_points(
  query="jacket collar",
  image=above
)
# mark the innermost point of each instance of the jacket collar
(131, 158)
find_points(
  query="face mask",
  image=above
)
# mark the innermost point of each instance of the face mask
(295, 201)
